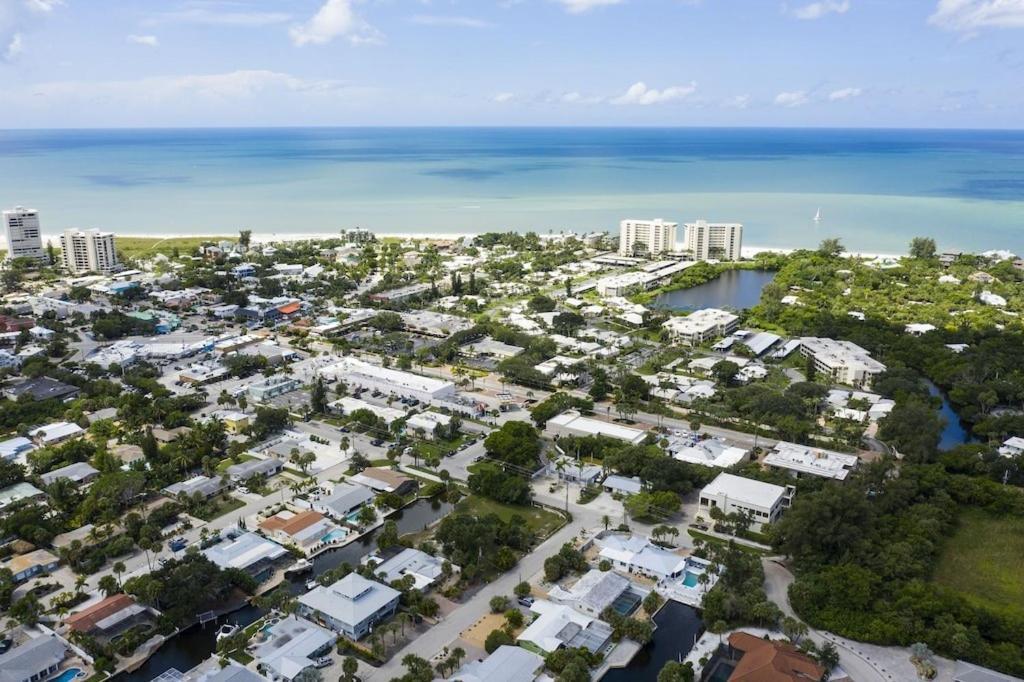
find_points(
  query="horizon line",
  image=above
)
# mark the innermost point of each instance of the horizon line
(513, 127)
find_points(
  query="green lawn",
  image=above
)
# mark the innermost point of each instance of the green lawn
(223, 465)
(219, 507)
(982, 560)
(541, 521)
(143, 247)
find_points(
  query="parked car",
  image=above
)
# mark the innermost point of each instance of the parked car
(526, 601)
(376, 442)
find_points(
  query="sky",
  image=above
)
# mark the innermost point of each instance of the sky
(187, 63)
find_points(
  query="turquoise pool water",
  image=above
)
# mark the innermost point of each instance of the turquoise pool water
(690, 579)
(334, 535)
(67, 675)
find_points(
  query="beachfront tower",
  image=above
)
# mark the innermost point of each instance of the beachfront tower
(721, 241)
(21, 229)
(646, 237)
(88, 251)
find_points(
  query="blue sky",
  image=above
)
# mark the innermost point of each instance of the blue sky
(870, 63)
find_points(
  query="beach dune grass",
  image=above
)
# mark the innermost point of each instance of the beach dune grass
(982, 561)
(143, 247)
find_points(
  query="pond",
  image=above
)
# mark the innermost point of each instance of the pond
(191, 647)
(678, 629)
(954, 432)
(735, 289)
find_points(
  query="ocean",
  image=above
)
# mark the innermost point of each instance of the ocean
(876, 189)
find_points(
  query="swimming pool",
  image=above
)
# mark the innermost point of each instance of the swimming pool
(690, 579)
(334, 536)
(67, 675)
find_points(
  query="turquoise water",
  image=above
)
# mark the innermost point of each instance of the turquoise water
(67, 675)
(336, 534)
(875, 188)
(690, 579)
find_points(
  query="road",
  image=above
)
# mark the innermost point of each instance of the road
(864, 662)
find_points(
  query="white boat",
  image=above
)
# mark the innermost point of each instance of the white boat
(817, 216)
(226, 630)
(300, 566)
(312, 585)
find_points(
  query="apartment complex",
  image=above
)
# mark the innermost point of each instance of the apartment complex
(21, 229)
(720, 241)
(646, 237)
(701, 325)
(89, 251)
(844, 361)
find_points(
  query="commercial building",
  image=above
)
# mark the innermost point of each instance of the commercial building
(701, 325)
(347, 405)
(89, 251)
(646, 237)
(718, 241)
(506, 664)
(805, 460)
(21, 229)
(845, 362)
(571, 423)
(350, 606)
(42, 388)
(762, 502)
(290, 646)
(357, 373)
(271, 387)
(427, 422)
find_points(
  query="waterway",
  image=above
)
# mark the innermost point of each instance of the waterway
(679, 627)
(735, 289)
(194, 645)
(954, 432)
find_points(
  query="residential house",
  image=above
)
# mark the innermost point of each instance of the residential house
(386, 481)
(108, 617)
(759, 659)
(345, 500)
(204, 486)
(26, 566)
(15, 449)
(425, 570)
(33, 661)
(350, 606)
(558, 626)
(18, 492)
(595, 591)
(78, 473)
(636, 554)
(53, 434)
(506, 664)
(1012, 447)
(306, 530)
(246, 551)
(291, 646)
(240, 473)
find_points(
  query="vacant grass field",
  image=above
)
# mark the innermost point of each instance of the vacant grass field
(142, 247)
(982, 561)
(541, 521)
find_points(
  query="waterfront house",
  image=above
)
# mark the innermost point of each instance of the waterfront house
(306, 530)
(557, 626)
(246, 551)
(34, 660)
(386, 481)
(109, 617)
(592, 593)
(506, 664)
(350, 606)
(753, 659)
(425, 570)
(290, 647)
(636, 554)
(344, 501)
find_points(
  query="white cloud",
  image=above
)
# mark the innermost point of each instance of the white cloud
(844, 93)
(816, 10)
(148, 41)
(575, 97)
(445, 20)
(14, 47)
(230, 85)
(44, 6)
(639, 93)
(795, 98)
(737, 102)
(971, 16)
(582, 6)
(503, 97)
(212, 17)
(334, 19)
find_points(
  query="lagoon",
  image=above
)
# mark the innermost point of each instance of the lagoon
(678, 628)
(733, 289)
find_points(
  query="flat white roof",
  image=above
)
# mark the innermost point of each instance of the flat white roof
(745, 490)
(813, 461)
(573, 420)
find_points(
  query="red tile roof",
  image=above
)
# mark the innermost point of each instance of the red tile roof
(86, 620)
(771, 661)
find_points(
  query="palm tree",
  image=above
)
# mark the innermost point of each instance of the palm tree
(349, 666)
(118, 568)
(80, 582)
(606, 521)
(403, 619)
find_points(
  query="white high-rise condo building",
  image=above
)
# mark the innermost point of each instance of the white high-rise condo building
(21, 228)
(720, 241)
(89, 251)
(646, 237)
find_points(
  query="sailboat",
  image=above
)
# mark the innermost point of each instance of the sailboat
(817, 216)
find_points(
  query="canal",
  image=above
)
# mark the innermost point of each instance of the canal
(679, 628)
(735, 289)
(194, 645)
(954, 432)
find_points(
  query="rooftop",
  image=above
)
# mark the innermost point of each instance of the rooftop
(350, 600)
(747, 490)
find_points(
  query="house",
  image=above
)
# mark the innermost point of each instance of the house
(386, 481)
(204, 486)
(801, 460)
(16, 448)
(350, 606)
(425, 570)
(32, 661)
(13, 494)
(760, 659)
(55, 433)
(710, 452)
(170, 435)
(558, 626)
(306, 530)
(506, 664)
(26, 566)
(636, 554)
(79, 473)
(592, 593)
(622, 485)
(569, 470)
(108, 617)
(762, 502)
(345, 500)
(42, 388)
(1012, 447)
(571, 423)
(240, 473)
(232, 672)
(246, 551)
(291, 646)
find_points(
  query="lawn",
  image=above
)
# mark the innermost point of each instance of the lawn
(982, 561)
(141, 247)
(541, 521)
(218, 507)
